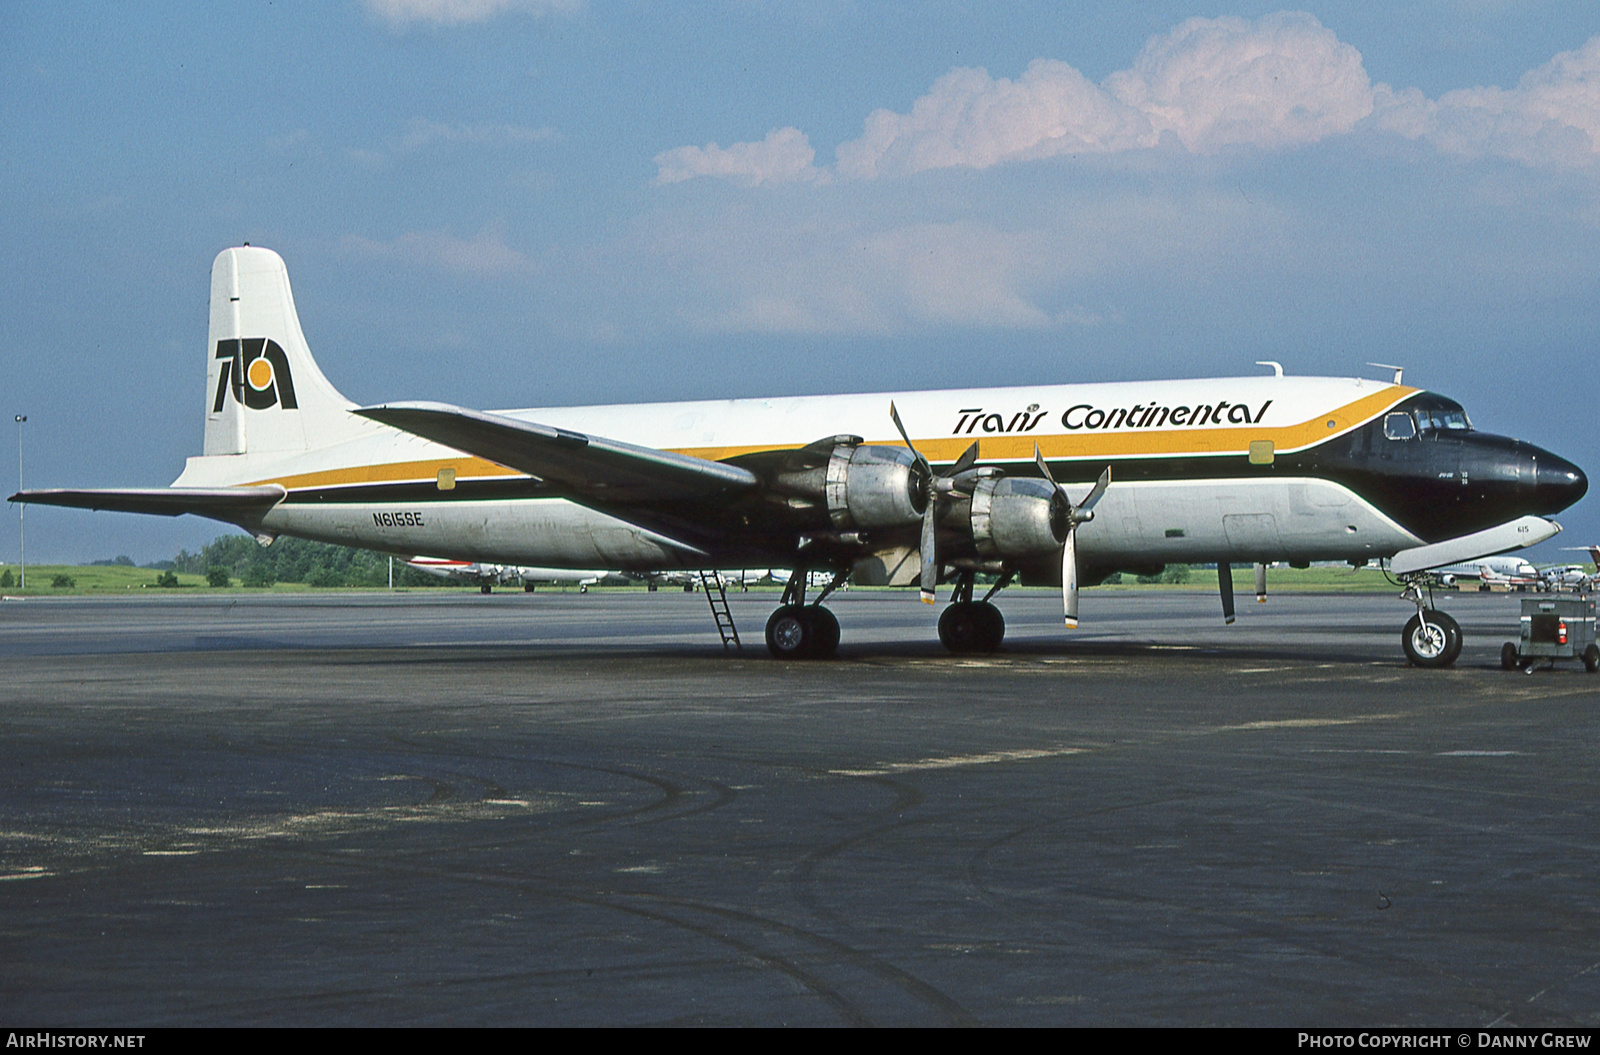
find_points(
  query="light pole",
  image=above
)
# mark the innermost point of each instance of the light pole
(22, 537)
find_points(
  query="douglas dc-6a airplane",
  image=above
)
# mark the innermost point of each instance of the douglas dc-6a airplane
(1242, 469)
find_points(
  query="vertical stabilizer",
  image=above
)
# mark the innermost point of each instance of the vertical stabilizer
(263, 390)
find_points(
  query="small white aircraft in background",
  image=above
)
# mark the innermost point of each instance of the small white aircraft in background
(486, 576)
(1208, 470)
(1507, 572)
(1571, 577)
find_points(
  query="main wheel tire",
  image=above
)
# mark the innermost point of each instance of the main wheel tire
(1509, 657)
(791, 632)
(1591, 658)
(991, 626)
(527, 587)
(961, 628)
(826, 645)
(1435, 642)
(484, 588)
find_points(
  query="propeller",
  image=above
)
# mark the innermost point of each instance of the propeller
(1081, 513)
(938, 487)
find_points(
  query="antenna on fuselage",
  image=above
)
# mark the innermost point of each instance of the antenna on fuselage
(1277, 367)
(1399, 371)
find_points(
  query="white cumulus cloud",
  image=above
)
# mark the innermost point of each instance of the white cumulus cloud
(968, 118)
(785, 156)
(1552, 116)
(400, 13)
(1281, 80)
(1272, 83)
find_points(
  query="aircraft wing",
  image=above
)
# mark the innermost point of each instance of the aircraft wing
(232, 505)
(587, 467)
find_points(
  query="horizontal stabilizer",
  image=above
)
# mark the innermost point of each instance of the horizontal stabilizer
(244, 506)
(587, 467)
(1515, 534)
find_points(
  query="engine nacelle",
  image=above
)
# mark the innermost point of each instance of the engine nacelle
(874, 487)
(861, 486)
(1017, 518)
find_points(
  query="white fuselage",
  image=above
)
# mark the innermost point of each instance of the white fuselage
(1079, 428)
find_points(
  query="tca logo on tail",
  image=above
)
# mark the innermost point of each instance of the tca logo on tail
(257, 372)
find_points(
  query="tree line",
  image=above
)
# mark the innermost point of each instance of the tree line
(230, 559)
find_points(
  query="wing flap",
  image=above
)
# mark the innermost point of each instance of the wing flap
(232, 505)
(590, 467)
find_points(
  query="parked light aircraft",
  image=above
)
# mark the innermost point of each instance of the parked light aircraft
(1015, 482)
(485, 576)
(1505, 571)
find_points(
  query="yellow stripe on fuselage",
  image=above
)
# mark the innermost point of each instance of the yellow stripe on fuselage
(1156, 443)
(466, 466)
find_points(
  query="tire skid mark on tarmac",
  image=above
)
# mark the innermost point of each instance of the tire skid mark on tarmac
(673, 794)
(978, 858)
(679, 912)
(319, 1004)
(803, 879)
(1242, 922)
(674, 911)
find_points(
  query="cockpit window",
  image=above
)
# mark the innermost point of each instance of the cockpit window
(1453, 420)
(1398, 426)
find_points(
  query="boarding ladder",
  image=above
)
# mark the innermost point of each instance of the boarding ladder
(717, 598)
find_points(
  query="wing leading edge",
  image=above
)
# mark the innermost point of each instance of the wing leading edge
(586, 467)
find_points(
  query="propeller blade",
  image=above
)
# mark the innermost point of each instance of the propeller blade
(1094, 495)
(894, 415)
(1225, 587)
(1044, 470)
(930, 514)
(968, 458)
(1261, 583)
(1069, 577)
(1089, 500)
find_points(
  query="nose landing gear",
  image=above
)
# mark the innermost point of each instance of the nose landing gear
(1430, 638)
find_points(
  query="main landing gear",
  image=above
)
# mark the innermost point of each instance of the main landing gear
(804, 631)
(972, 626)
(1430, 638)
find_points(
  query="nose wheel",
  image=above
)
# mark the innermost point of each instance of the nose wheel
(1431, 639)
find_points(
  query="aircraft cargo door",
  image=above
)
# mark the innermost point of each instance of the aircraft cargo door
(1253, 536)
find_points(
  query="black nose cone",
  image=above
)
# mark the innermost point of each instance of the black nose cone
(1558, 483)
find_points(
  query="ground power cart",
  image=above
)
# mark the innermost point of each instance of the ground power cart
(1554, 628)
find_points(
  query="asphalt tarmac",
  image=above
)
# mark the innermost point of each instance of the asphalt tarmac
(564, 809)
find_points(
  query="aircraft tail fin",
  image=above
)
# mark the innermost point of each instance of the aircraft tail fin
(264, 392)
(1592, 551)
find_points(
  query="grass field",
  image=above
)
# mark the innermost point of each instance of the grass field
(102, 580)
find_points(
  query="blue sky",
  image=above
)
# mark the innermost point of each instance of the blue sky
(529, 203)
